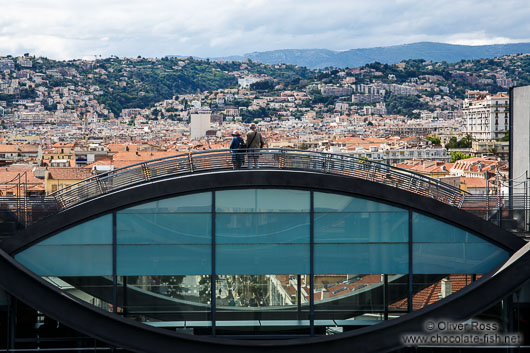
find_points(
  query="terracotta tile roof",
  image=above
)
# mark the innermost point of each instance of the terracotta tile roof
(36, 188)
(70, 173)
(28, 148)
(122, 148)
(104, 161)
(429, 295)
(343, 288)
(141, 156)
(63, 144)
(9, 173)
(421, 166)
(8, 148)
(18, 148)
(474, 182)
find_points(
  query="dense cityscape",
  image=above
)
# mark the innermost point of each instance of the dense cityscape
(62, 122)
(264, 176)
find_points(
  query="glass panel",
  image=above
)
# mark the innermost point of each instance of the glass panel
(442, 248)
(96, 231)
(184, 228)
(429, 230)
(262, 304)
(262, 228)
(175, 302)
(262, 258)
(262, 200)
(456, 257)
(430, 288)
(361, 227)
(95, 290)
(262, 240)
(68, 260)
(194, 203)
(164, 244)
(352, 301)
(166, 259)
(326, 202)
(398, 289)
(347, 296)
(83, 250)
(363, 258)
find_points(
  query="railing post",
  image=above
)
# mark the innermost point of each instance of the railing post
(462, 199)
(58, 203)
(487, 197)
(146, 172)
(102, 189)
(190, 161)
(451, 200)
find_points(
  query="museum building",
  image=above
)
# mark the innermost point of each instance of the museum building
(306, 252)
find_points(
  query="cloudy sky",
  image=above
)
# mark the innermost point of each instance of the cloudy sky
(65, 29)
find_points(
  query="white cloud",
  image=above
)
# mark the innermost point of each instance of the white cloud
(72, 29)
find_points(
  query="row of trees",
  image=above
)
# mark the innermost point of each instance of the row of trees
(464, 142)
(404, 105)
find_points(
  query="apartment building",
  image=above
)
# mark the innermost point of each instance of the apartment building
(486, 115)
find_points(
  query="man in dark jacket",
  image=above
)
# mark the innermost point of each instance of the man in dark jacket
(255, 141)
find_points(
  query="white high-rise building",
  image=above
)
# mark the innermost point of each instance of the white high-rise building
(200, 123)
(486, 115)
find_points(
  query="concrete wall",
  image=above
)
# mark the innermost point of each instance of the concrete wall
(200, 123)
(520, 133)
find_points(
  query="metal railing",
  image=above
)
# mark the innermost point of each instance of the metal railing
(18, 212)
(283, 159)
(490, 207)
(511, 213)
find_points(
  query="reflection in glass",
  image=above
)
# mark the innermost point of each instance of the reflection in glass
(327, 202)
(175, 300)
(262, 303)
(441, 248)
(83, 250)
(430, 288)
(262, 241)
(93, 290)
(193, 203)
(157, 244)
(262, 200)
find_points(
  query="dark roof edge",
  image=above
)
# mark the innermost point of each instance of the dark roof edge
(260, 179)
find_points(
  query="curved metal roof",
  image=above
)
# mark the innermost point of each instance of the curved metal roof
(269, 159)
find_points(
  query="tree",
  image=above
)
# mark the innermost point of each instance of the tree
(455, 156)
(505, 138)
(303, 146)
(404, 105)
(434, 139)
(452, 143)
(265, 85)
(464, 142)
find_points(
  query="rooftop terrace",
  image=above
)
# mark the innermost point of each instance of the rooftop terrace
(504, 211)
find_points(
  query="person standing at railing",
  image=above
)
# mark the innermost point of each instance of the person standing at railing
(255, 141)
(237, 145)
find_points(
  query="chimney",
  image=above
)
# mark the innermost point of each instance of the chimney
(447, 288)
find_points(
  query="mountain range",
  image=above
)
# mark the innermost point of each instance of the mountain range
(320, 58)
